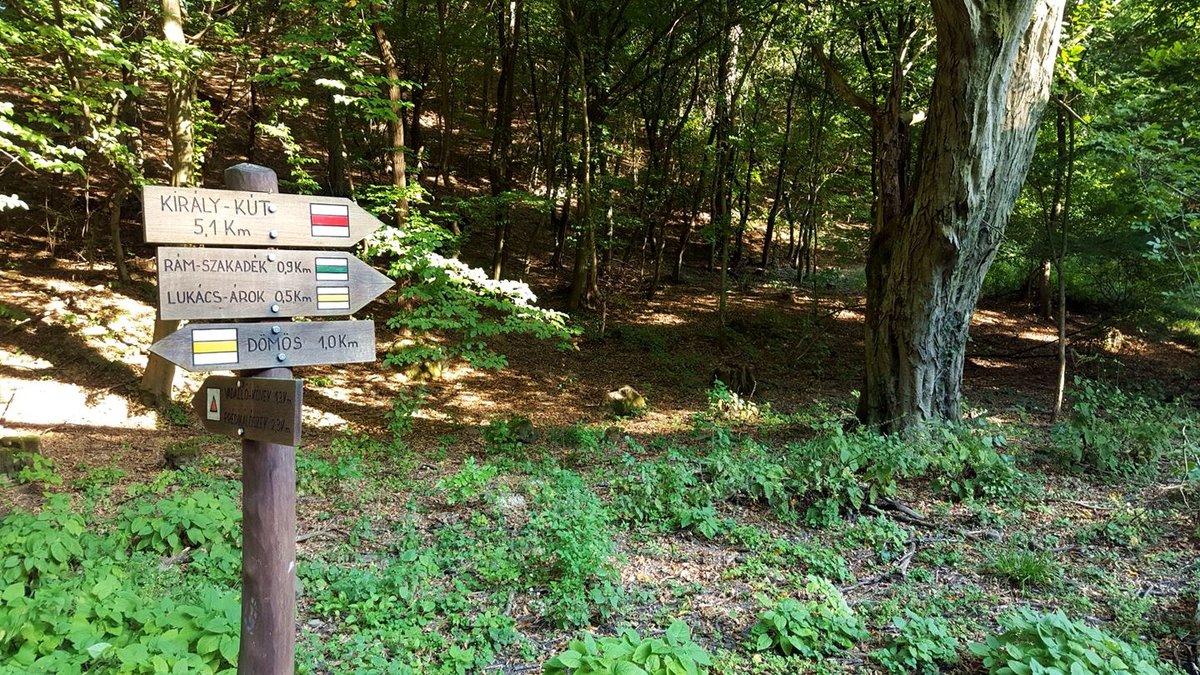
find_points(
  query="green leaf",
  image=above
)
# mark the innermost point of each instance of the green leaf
(678, 632)
(13, 591)
(97, 649)
(229, 649)
(569, 659)
(208, 644)
(58, 552)
(105, 587)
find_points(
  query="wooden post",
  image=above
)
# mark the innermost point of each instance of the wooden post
(268, 642)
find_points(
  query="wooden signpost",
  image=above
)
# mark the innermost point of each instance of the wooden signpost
(255, 408)
(200, 347)
(234, 218)
(263, 405)
(244, 283)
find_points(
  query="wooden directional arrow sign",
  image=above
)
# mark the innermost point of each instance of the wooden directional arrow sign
(257, 408)
(232, 218)
(242, 283)
(251, 346)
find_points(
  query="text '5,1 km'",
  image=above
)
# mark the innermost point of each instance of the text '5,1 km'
(231, 218)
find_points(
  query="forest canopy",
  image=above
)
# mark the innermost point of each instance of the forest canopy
(732, 135)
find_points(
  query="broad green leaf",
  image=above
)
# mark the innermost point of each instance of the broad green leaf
(13, 591)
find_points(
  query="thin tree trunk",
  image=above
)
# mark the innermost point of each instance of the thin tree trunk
(116, 202)
(181, 92)
(416, 135)
(583, 282)
(339, 185)
(781, 168)
(723, 172)
(694, 216)
(159, 375)
(500, 165)
(1061, 253)
(391, 70)
(128, 112)
(560, 209)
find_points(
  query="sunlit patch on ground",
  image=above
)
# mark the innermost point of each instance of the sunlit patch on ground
(49, 403)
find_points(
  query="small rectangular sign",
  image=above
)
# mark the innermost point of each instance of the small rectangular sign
(246, 283)
(232, 218)
(269, 344)
(256, 408)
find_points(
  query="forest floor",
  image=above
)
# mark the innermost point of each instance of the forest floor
(1118, 551)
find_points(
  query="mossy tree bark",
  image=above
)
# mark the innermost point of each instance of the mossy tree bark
(938, 231)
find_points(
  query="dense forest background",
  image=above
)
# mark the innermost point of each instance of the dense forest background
(665, 270)
(626, 138)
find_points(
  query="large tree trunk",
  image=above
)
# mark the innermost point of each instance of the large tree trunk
(930, 251)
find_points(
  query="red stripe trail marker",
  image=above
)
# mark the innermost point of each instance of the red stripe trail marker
(241, 218)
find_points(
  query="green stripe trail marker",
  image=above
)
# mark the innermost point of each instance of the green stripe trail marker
(245, 283)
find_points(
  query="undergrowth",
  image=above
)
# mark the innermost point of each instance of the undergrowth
(495, 563)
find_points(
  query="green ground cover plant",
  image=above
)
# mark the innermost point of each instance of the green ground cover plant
(1024, 567)
(481, 564)
(81, 599)
(820, 625)
(921, 644)
(1123, 433)
(1053, 643)
(673, 654)
(467, 482)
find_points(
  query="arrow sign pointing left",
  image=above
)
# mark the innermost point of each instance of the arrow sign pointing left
(253, 346)
(258, 408)
(239, 283)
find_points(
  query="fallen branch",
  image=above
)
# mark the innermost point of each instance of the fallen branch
(899, 571)
(184, 556)
(907, 515)
(311, 535)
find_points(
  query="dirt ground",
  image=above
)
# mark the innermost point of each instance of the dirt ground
(73, 345)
